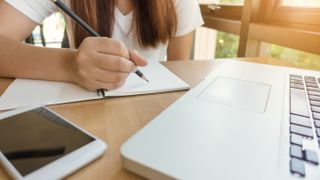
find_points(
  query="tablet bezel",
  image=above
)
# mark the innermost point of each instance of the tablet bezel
(62, 166)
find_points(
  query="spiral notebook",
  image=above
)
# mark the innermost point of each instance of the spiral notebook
(23, 92)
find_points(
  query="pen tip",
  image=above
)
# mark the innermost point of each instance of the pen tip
(143, 77)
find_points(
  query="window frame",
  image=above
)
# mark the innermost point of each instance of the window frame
(254, 25)
(306, 18)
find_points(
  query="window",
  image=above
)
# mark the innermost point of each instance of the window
(301, 14)
(52, 30)
(233, 2)
(227, 2)
(298, 58)
(301, 3)
(227, 45)
(210, 44)
(286, 25)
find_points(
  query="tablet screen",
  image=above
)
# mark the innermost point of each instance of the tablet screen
(33, 139)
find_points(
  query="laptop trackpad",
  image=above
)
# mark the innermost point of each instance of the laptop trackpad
(242, 94)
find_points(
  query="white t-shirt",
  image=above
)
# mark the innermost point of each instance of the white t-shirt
(188, 13)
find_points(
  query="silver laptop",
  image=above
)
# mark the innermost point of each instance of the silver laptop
(244, 121)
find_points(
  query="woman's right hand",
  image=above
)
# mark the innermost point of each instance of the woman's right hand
(103, 63)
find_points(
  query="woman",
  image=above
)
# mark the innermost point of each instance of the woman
(156, 29)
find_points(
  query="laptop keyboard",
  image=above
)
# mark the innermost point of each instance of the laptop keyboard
(304, 121)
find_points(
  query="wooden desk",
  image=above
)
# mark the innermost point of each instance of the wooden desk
(114, 120)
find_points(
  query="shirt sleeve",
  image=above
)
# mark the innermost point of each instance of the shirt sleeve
(37, 10)
(189, 16)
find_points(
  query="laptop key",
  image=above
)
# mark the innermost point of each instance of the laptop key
(314, 93)
(296, 139)
(316, 115)
(298, 102)
(297, 167)
(300, 120)
(318, 132)
(296, 81)
(296, 151)
(314, 98)
(310, 79)
(317, 123)
(315, 109)
(295, 76)
(297, 86)
(311, 156)
(312, 85)
(313, 89)
(315, 103)
(303, 131)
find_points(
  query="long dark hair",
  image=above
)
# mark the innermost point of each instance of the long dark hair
(154, 21)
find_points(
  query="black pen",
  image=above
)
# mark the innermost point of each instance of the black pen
(90, 30)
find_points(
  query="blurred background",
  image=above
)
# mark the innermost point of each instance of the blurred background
(297, 20)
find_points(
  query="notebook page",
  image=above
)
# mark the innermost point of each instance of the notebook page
(160, 80)
(23, 92)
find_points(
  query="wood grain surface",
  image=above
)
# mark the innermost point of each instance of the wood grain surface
(114, 120)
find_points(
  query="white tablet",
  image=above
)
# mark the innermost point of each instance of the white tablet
(36, 143)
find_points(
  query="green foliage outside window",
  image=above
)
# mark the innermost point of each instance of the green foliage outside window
(298, 58)
(231, 1)
(226, 45)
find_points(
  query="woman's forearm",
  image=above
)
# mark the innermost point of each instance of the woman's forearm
(19, 60)
(99, 63)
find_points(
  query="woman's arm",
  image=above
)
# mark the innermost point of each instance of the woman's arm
(180, 47)
(19, 60)
(99, 63)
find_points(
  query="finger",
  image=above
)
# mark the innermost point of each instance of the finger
(113, 63)
(137, 59)
(109, 76)
(109, 46)
(108, 86)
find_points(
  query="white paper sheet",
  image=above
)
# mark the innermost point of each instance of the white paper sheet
(23, 92)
